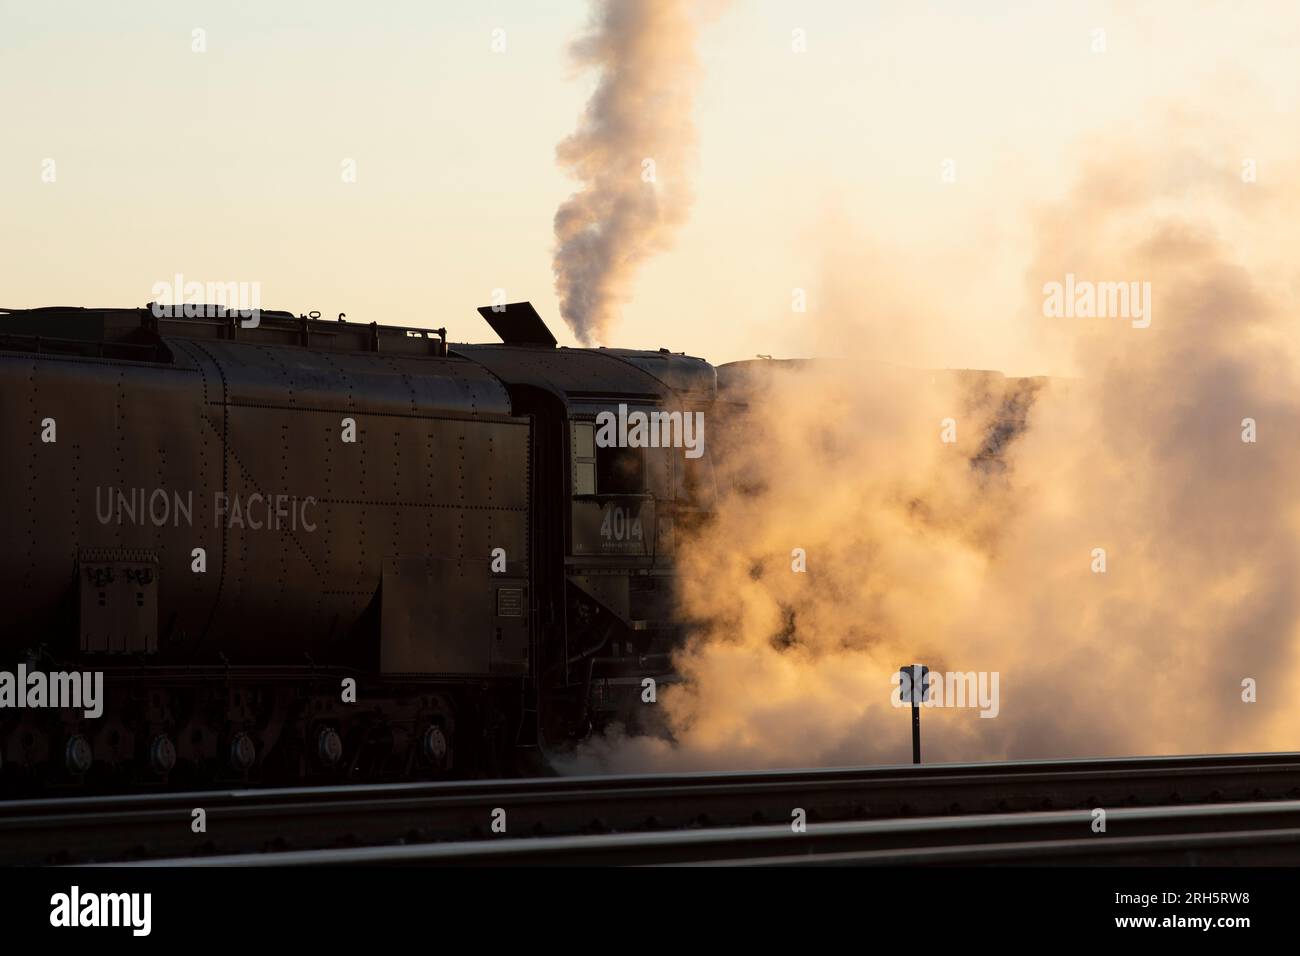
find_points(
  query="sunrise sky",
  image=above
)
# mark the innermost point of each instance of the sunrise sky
(818, 170)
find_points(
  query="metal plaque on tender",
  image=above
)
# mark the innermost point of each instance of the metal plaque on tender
(510, 602)
(119, 601)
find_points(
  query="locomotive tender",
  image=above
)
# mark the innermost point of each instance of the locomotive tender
(317, 549)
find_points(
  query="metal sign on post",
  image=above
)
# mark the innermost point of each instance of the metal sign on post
(914, 685)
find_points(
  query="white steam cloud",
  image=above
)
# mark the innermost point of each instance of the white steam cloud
(1175, 450)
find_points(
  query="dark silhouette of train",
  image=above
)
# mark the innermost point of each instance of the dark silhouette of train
(313, 548)
(302, 549)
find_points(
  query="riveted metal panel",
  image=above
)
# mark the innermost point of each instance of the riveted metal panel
(130, 466)
(227, 462)
(295, 377)
(436, 622)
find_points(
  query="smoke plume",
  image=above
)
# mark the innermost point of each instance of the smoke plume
(630, 152)
(981, 554)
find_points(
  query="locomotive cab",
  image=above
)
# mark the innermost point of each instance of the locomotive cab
(631, 468)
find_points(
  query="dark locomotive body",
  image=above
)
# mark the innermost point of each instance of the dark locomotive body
(327, 549)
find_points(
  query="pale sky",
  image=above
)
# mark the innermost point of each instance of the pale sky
(816, 170)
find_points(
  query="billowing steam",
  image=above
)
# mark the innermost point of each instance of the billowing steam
(630, 152)
(970, 557)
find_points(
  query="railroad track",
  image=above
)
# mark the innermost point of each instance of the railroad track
(1207, 834)
(610, 808)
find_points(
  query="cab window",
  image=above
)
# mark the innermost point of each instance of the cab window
(620, 471)
(604, 471)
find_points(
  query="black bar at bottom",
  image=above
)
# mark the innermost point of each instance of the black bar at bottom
(948, 905)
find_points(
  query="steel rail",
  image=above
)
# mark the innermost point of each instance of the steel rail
(91, 829)
(1254, 832)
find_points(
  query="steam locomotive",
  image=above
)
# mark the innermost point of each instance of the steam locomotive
(304, 549)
